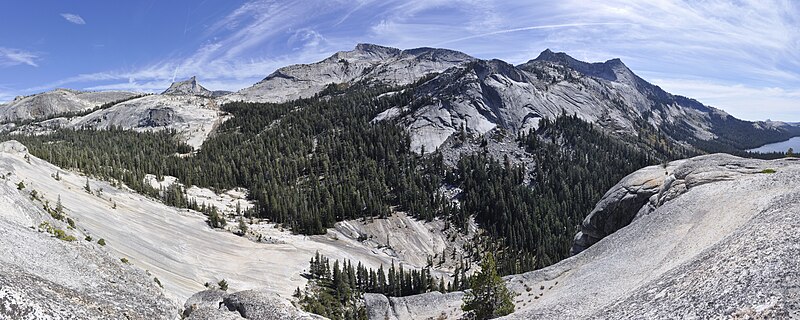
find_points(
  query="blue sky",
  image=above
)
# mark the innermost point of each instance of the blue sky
(742, 56)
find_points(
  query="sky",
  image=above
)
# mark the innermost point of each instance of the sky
(742, 56)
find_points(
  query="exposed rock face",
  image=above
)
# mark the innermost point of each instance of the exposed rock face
(409, 240)
(188, 87)
(193, 117)
(47, 104)
(620, 205)
(484, 95)
(186, 107)
(262, 305)
(159, 118)
(715, 238)
(367, 62)
(248, 304)
(431, 305)
(42, 277)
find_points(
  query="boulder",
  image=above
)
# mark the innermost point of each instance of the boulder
(431, 305)
(263, 305)
(621, 204)
(206, 299)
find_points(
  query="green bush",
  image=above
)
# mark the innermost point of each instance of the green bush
(768, 171)
(101, 242)
(223, 285)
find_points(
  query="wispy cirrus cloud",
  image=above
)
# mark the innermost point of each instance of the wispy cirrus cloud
(232, 56)
(12, 57)
(73, 18)
(715, 46)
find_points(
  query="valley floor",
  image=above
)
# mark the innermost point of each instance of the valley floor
(178, 247)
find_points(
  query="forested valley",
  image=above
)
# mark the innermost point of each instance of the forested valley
(312, 162)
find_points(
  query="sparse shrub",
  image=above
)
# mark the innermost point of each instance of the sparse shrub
(88, 238)
(58, 233)
(242, 227)
(124, 260)
(768, 171)
(101, 242)
(223, 285)
(61, 235)
(158, 282)
(215, 220)
(21, 185)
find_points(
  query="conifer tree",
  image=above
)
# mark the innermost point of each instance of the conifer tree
(489, 297)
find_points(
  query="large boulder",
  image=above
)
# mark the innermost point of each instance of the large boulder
(620, 205)
(263, 305)
(213, 299)
(248, 304)
(431, 305)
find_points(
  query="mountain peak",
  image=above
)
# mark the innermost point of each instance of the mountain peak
(188, 87)
(616, 62)
(374, 49)
(549, 55)
(613, 69)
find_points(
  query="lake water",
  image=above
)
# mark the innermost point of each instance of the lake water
(782, 146)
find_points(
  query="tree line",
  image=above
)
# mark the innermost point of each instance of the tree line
(336, 290)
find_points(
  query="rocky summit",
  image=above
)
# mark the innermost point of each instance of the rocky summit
(188, 87)
(367, 62)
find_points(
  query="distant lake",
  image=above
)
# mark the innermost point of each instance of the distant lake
(782, 146)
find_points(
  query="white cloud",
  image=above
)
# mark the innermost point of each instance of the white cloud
(739, 100)
(73, 18)
(751, 43)
(12, 57)
(214, 74)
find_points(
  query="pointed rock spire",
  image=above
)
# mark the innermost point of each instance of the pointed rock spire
(188, 87)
